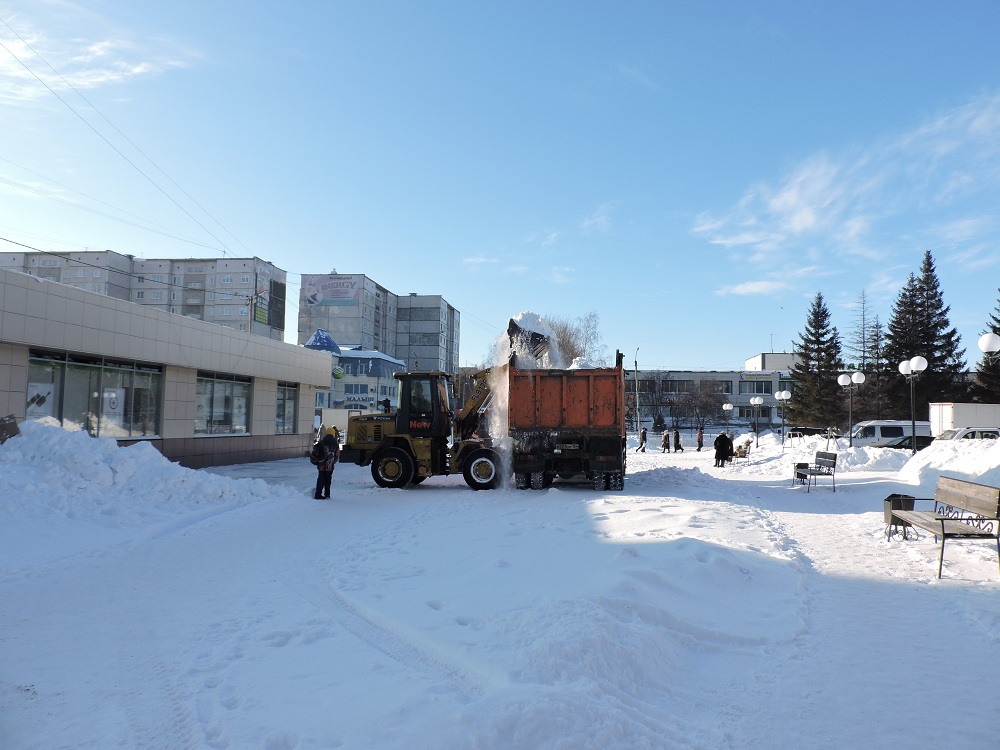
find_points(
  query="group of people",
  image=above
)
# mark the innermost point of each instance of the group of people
(724, 450)
(665, 441)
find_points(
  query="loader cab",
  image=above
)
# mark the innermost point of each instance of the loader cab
(424, 410)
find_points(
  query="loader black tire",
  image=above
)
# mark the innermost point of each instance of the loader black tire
(482, 470)
(392, 467)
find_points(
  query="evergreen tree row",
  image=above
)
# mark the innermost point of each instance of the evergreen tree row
(918, 325)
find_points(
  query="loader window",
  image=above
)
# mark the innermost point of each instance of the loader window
(420, 396)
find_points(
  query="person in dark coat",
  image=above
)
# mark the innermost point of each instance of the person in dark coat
(325, 468)
(677, 442)
(665, 441)
(701, 438)
(723, 448)
(642, 441)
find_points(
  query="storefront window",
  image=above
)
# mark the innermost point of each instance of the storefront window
(288, 399)
(222, 405)
(102, 397)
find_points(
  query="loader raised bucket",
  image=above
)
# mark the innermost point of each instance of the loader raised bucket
(533, 342)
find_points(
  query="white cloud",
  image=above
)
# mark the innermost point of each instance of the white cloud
(748, 288)
(561, 274)
(599, 220)
(851, 204)
(480, 261)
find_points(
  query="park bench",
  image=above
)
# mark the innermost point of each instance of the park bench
(962, 510)
(824, 465)
(742, 451)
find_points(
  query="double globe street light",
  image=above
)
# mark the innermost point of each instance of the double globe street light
(728, 408)
(911, 369)
(850, 383)
(755, 402)
(782, 398)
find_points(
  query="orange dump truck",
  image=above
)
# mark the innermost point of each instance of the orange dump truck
(567, 424)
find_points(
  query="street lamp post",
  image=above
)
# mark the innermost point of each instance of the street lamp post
(638, 420)
(782, 398)
(728, 408)
(911, 369)
(756, 401)
(850, 383)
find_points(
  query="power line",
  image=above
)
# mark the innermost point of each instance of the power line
(113, 147)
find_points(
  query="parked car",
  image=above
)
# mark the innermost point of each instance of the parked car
(907, 443)
(971, 433)
(879, 432)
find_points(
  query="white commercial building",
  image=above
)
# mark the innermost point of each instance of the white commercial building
(200, 393)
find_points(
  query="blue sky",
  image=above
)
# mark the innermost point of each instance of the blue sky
(692, 172)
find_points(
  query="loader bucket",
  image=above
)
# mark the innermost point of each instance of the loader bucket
(527, 341)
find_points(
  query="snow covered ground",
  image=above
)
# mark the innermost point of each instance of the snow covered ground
(143, 605)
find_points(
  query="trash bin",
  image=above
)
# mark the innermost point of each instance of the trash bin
(896, 502)
(800, 474)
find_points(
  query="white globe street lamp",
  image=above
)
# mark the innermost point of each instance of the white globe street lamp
(756, 401)
(989, 345)
(728, 408)
(849, 383)
(782, 398)
(911, 369)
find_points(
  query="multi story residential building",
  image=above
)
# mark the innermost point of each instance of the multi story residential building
(244, 294)
(421, 330)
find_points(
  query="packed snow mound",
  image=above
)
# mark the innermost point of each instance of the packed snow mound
(73, 475)
(582, 363)
(974, 460)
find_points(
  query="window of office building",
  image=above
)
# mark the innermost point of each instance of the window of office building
(103, 397)
(288, 402)
(755, 386)
(221, 405)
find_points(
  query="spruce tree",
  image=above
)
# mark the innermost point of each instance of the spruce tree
(986, 388)
(920, 326)
(817, 400)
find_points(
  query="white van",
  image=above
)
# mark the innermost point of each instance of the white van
(878, 432)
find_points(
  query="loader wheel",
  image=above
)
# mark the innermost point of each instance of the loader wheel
(482, 470)
(392, 467)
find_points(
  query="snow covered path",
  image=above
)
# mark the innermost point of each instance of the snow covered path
(700, 608)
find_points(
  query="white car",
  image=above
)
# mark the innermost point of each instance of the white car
(971, 433)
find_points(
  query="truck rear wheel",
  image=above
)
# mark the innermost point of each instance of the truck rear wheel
(482, 470)
(521, 481)
(392, 467)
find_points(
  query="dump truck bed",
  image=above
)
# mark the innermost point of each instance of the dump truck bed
(588, 400)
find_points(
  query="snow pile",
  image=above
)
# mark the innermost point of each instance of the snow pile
(144, 605)
(582, 363)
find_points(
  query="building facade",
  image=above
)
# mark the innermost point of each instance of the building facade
(200, 393)
(421, 330)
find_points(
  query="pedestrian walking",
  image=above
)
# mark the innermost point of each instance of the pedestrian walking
(642, 441)
(701, 438)
(665, 441)
(678, 448)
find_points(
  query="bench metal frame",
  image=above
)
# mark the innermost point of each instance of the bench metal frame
(962, 510)
(824, 465)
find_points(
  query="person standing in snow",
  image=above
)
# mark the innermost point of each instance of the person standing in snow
(701, 439)
(325, 467)
(722, 449)
(642, 441)
(678, 448)
(665, 441)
